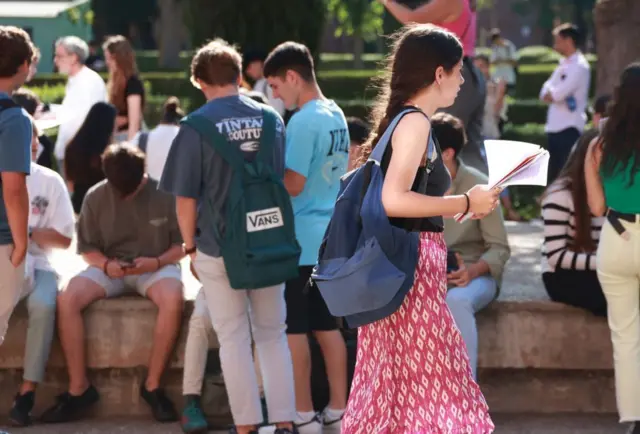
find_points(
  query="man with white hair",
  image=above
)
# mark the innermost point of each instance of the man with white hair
(84, 88)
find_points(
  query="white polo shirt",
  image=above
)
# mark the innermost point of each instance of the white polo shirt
(83, 90)
(570, 78)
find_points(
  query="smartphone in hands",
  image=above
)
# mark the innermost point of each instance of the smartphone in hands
(126, 264)
(452, 261)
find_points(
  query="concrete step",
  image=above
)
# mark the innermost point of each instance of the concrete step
(505, 424)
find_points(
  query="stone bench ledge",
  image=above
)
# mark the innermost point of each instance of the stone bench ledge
(513, 335)
(118, 334)
(542, 335)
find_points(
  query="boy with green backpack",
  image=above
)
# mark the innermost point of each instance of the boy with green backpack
(226, 167)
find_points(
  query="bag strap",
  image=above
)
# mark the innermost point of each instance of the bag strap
(207, 129)
(381, 146)
(142, 141)
(267, 136)
(8, 103)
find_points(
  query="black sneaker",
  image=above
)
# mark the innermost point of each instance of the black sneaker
(161, 407)
(286, 430)
(20, 414)
(634, 428)
(69, 407)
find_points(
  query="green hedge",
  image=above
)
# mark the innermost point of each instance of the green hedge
(148, 61)
(153, 107)
(532, 77)
(532, 55)
(528, 111)
(521, 112)
(337, 84)
(531, 133)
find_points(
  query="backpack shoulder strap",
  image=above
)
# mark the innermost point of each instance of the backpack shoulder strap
(7, 103)
(142, 141)
(267, 136)
(207, 129)
(381, 146)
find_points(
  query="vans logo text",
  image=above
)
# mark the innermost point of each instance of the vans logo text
(264, 219)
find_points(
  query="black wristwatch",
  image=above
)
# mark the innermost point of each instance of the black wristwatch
(188, 251)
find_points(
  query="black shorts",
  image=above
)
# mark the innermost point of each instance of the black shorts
(306, 310)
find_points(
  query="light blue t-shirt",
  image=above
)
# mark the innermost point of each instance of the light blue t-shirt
(15, 154)
(317, 147)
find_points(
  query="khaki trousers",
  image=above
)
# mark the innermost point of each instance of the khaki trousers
(11, 283)
(618, 265)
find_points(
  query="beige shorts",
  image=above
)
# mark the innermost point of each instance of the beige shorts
(140, 283)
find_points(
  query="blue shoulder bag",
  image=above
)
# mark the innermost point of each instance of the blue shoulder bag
(365, 264)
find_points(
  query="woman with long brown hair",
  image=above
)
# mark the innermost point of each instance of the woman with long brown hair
(612, 175)
(126, 90)
(412, 371)
(82, 163)
(571, 235)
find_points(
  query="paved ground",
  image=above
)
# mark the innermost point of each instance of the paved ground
(521, 279)
(506, 424)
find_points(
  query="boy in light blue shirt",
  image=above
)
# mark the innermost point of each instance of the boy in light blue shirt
(317, 155)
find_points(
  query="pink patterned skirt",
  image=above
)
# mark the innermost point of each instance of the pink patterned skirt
(412, 371)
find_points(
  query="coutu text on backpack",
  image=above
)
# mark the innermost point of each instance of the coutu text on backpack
(259, 245)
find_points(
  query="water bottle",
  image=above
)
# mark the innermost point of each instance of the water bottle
(571, 103)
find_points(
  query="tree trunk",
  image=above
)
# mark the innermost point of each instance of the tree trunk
(618, 34)
(169, 33)
(358, 50)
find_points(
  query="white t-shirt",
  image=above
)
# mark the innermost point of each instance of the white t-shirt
(158, 145)
(49, 207)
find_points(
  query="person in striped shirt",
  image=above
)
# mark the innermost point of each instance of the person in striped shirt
(571, 235)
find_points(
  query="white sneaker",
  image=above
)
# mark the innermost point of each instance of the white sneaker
(313, 426)
(331, 424)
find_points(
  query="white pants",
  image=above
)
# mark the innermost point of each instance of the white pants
(618, 264)
(234, 315)
(11, 286)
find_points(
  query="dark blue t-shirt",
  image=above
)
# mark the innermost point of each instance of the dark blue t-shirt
(15, 154)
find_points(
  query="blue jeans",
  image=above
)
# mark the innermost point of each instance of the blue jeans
(464, 302)
(41, 305)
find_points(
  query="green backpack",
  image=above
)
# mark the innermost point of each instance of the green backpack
(259, 245)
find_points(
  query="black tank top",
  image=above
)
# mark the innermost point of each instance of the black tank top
(434, 183)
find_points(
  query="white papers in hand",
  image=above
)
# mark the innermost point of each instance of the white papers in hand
(46, 124)
(514, 163)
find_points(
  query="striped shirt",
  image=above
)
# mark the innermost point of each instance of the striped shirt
(559, 232)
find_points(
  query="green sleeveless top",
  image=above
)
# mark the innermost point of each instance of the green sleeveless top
(619, 195)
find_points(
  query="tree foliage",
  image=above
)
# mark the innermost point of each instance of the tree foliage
(255, 24)
(363, 18)
(579, 12)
